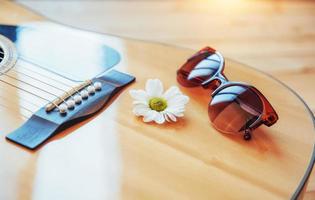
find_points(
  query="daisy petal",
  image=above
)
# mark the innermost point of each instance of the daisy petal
(159, 118)
(142, 105)
(150, 116)
(179, 114)
(140, 102)
(178, 100)
(172, 117)
(154, 87)
(166, 117)
(139, 95)
(172, 91)
(175, 112)
(140, 111)
(175, 109)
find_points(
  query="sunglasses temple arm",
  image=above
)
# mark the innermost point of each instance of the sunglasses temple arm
(256, 123)
(250, 128)
(270, 116)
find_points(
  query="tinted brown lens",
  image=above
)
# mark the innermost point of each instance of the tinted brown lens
(198, 69)
(234, 108)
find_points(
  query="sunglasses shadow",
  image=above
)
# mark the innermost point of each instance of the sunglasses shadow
(261, 140)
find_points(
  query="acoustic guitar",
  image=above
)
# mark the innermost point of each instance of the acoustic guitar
(68, 132)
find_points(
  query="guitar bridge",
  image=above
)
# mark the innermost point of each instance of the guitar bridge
(45, 123)
(75, 95)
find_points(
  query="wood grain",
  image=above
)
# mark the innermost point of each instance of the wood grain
(274, 36)
(164, 162)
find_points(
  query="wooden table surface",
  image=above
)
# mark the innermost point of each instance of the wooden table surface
(277, 34)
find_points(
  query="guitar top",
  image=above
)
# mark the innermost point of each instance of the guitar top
(64, 88)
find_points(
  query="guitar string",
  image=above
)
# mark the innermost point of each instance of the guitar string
(36, 65)
(56, 80)
(46, 76)
(14, 108)
(34, 87)
(25, 90)
(43, 75)
(36, 79)
(26, 83)
(36, 106)
(21, 106)
(20, 97)
(31, 93)
(41, 67)
(43, 98)
(67, 85)
(21, 115)
(47, 100)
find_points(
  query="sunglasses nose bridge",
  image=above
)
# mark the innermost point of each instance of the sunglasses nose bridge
(215, 78)
(215, 82)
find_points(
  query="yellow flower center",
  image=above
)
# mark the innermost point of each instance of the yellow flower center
(158, 104)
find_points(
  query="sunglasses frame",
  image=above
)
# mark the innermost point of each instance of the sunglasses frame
(268, 115)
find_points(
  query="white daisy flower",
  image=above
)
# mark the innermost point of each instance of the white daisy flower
(155, 106)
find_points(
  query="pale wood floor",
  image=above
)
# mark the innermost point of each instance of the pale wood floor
(277, 37)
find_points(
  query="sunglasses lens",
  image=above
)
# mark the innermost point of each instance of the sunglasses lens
(234, 108)
(199, 68)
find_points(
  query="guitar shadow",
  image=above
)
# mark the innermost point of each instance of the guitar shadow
(71, 127)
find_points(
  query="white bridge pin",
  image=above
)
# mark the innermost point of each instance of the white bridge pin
(62, 109)
(77, 99)
(91, 89)
(70, 104)
(84, 94)
(97, 86)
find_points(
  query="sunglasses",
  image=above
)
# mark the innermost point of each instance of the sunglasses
(235, 107)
